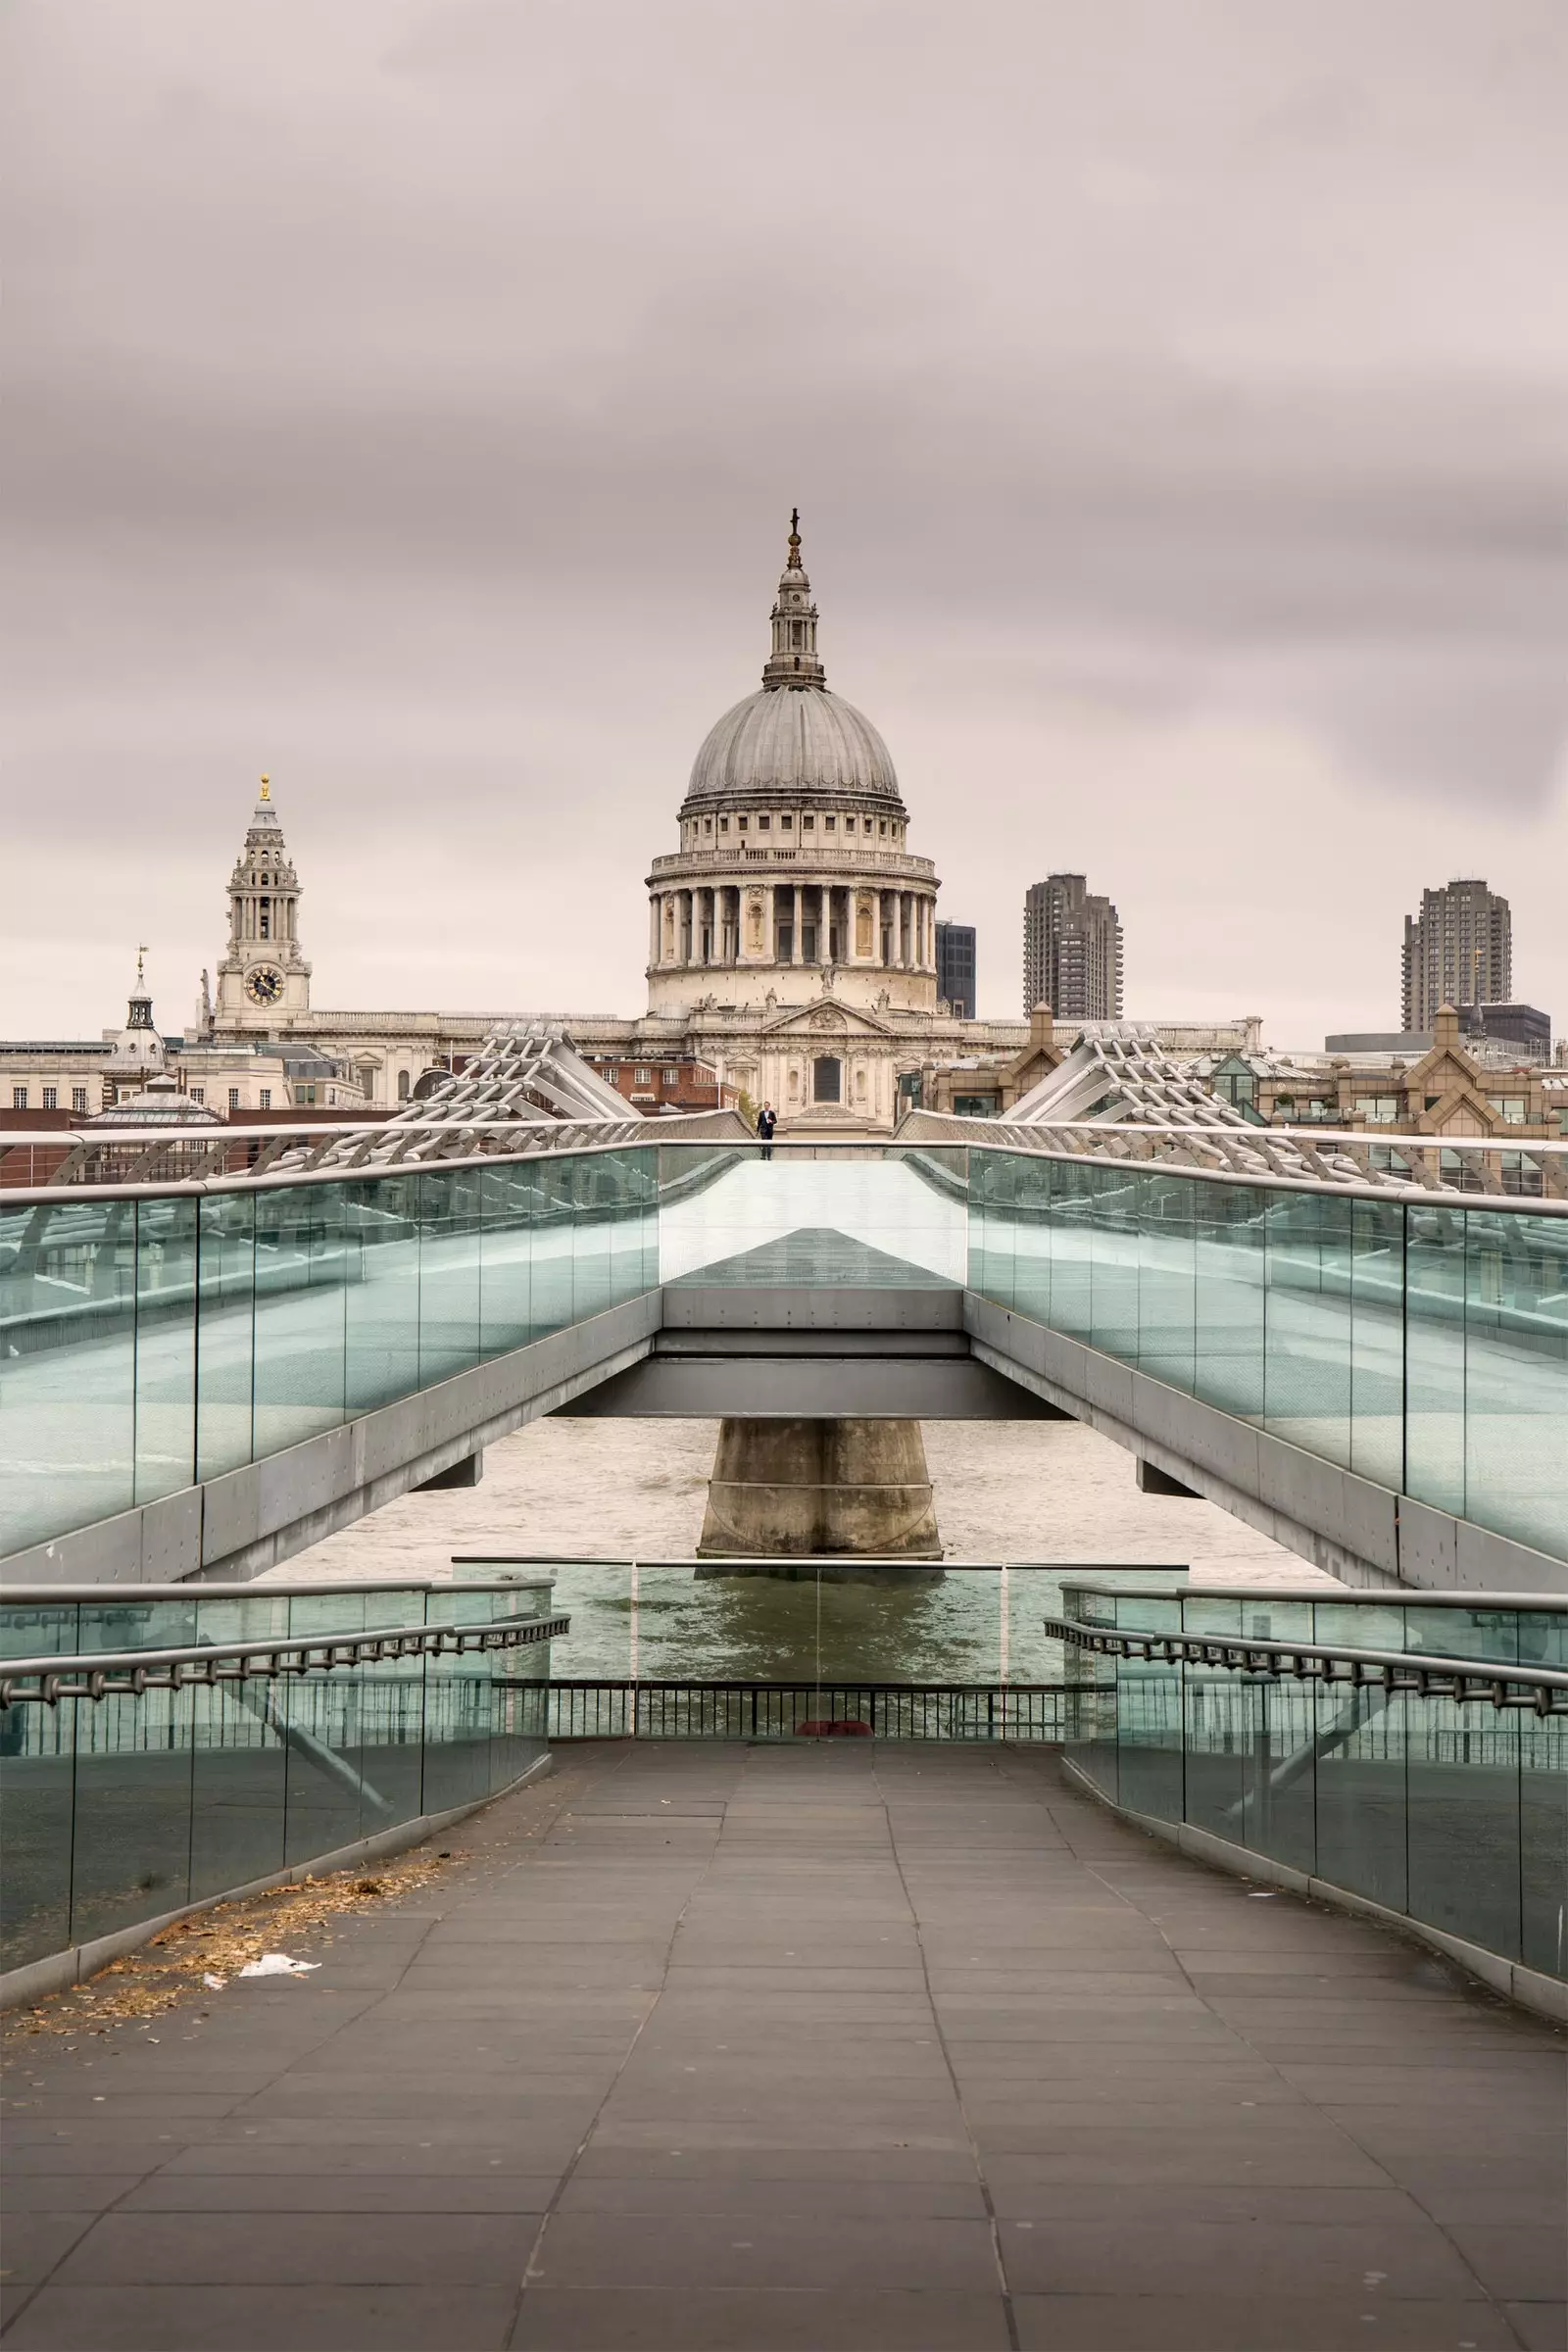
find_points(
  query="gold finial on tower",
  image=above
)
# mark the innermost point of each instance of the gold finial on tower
(267, 788)
(795, 539)
(141, 960)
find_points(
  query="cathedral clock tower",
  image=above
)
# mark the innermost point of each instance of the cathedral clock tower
(264, 982)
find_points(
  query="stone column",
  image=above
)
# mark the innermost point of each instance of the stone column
(784, 1490)
(797, 954)
(652, 927)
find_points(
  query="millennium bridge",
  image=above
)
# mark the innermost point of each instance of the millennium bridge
(970, 1954)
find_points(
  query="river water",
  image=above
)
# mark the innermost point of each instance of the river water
(603, 1493)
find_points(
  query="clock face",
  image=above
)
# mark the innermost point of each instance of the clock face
(264, 985)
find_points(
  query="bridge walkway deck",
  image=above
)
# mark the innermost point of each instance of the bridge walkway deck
(820, 2047)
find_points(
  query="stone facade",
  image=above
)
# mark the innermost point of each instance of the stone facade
(794, 878)
(264, 978)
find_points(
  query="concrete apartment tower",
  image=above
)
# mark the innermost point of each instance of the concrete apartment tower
(1072, 951)
(1457, 950)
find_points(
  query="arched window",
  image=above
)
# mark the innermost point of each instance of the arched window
(403, 1086)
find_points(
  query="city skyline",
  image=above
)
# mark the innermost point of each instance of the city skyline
(1237, 582)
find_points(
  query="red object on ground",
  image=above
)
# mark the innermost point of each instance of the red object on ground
(828, 1726)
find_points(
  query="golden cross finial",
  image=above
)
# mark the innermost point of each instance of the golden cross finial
(267, 788)
(794, 536)
(141, 953)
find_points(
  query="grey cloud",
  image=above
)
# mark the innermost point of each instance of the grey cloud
(417, 389)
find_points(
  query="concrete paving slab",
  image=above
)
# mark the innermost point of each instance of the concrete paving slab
(734, 2048)
(1540, 2326)
(343, 2319)
(1163, 2323)
(640, 2320)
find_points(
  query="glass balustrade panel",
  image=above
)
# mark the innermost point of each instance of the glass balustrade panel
(226, 1331)
(166, 1346)
(37, 1791)
(68, 1366)
(449, 1272)
(1516, 1376)
(381, 1291)
(301, 1272)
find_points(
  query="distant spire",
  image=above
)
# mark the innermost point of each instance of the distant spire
(139, 1012)
(794, 660)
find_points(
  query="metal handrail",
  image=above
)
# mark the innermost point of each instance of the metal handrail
(1486, 1680)
(129, 1672)
(1478, 1598)
(1086, 1142)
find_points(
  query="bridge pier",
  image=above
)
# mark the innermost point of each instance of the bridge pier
(819, 1488)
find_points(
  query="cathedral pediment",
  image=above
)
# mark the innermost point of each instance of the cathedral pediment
(825, 1017)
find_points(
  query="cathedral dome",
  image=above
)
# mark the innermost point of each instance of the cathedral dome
(793, 739)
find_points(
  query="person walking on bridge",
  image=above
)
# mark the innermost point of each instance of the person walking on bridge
(766, 1121)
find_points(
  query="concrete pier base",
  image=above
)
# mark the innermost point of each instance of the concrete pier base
(791, 1490)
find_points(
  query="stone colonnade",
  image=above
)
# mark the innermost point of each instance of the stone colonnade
(724, 923)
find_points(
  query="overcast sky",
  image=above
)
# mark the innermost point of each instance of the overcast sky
(407, 399)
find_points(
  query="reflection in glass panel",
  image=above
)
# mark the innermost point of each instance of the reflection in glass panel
(226, 1331)
(1516, 1375)
(992, 1224)
(1543, 1836)
(38, 1769)
(550, 1298)
(1376, 1340)
(1433, 1356)
(1463, 1835)
(238, 1778)
(1113, 1271)
(381, 1290)
(449, 1272)
(1166, 1300)
(1361, 1792)
(1151, 1763)
(130, 1847)
(1307, 1354)
(592, 1233)
(1072, 1203)
(1031, 1236)
(505, 1252)
(300, 1267)
(1360, 1760)
(1231, 1285)
(68, 1286)
(166, 1346)
(459, 1706)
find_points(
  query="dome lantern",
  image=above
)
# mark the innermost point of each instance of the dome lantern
(792, 661)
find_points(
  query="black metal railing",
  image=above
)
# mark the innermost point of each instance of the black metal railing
(681, 1710)
(130, 1673)
(1497, 1682)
